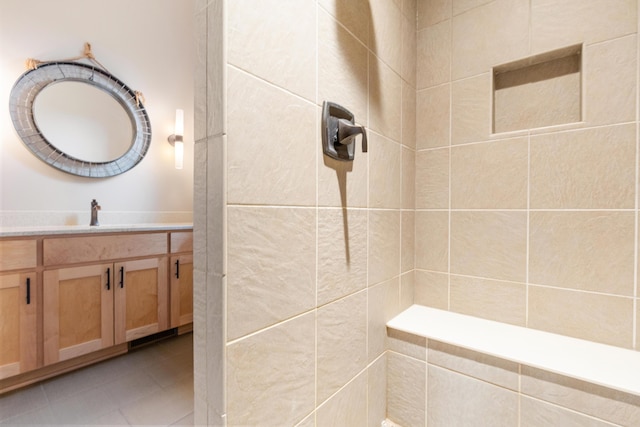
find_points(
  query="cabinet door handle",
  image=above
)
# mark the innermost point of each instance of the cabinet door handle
(121, 277)
(28, 290)
(109, 279)
(177, 269)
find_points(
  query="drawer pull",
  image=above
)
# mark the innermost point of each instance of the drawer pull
(28, 290)
(121, 277)
(109, 278)
(177, 269)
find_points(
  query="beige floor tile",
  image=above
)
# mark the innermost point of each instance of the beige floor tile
(22, 401)
(113, 418)
(96, 394)
(83, 408)
(128, 389)
(39, 417)
(186, 421)
(167, 373)
(76, 382)
(164, 407)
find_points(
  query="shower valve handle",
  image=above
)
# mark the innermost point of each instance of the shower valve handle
(347, 132)
(339, 131)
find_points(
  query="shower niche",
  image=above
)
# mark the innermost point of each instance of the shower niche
(538, 91)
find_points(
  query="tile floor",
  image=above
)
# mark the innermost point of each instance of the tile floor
(152, 385)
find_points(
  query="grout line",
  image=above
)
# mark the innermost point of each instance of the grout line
(537, 132)
(528, 231)
(273, 85)
(515, 282)
(272, 326)
(601, 42)
(335, 19)
(634, 316)
(319, 131)
(621, 210)
(449, 146)
(530, 23)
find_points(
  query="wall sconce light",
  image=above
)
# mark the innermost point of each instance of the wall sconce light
(176, 140)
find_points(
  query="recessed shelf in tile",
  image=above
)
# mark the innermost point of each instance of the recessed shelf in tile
(542, 90)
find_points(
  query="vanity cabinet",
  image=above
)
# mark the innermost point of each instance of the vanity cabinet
(181, 279)
(18, 333)
(91, 307)
(141, 299)
(78, 311)
(181, 290)
(69, 300)
(18, 307)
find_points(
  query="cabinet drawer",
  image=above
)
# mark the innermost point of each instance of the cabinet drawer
(181, 242)
(16, 254)
(70, 250)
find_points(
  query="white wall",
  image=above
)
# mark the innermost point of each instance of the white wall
(148, 44)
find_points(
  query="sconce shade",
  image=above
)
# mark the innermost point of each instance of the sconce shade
(179, 122)
(176, 140)
(178, 147)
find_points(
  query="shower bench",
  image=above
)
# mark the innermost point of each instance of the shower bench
(613, 367)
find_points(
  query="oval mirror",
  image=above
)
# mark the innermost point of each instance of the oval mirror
(83, 121)
(80, 119)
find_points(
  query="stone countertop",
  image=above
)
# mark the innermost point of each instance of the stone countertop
(86, 229)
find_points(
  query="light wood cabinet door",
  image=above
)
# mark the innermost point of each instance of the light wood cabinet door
(141, 298)
(18, 333)
(77, 311)
(181, 290)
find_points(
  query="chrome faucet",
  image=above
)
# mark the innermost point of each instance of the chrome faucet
(95, 207)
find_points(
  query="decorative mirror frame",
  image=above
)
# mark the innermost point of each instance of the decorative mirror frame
(31, 83)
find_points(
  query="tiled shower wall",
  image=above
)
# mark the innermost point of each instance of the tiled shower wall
(537, 227)
(319, 253)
